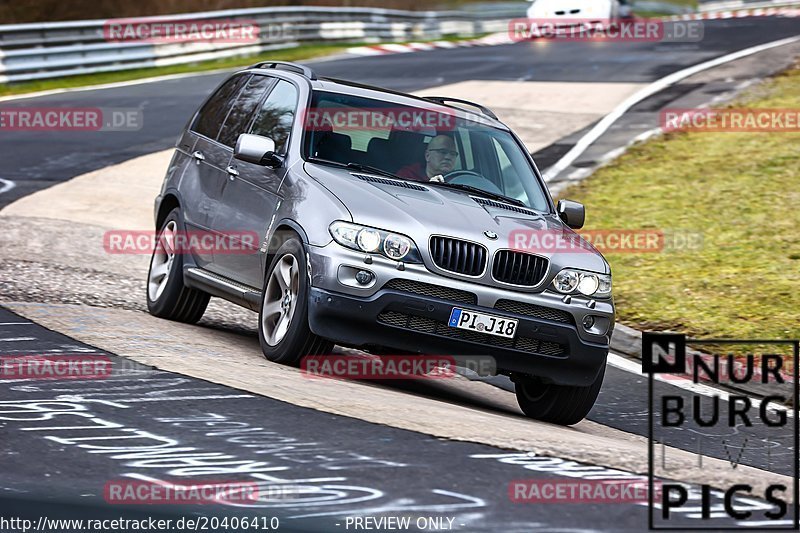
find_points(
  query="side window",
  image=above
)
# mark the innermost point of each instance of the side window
(213, 113)
(243, 108)
(276, 116)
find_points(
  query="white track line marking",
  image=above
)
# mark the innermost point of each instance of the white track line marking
(15, 323)
(18, 339)
(635, 367)
(183, 398)
(658, 85)
(6, 185)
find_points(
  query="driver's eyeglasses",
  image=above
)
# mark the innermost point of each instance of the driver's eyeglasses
(444, 152)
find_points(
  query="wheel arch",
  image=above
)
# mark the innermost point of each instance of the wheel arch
(285, 224)
(169, 202)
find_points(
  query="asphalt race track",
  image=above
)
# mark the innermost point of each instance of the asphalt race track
(202, 432)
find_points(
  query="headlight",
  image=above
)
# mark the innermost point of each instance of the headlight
(396, 246)
(588, 284)
(365, 239)
(566, 281)
(570, 281)
(369, 240)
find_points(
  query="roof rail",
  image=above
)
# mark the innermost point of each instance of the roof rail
(370, 87)
(286, 65)
(444, 99)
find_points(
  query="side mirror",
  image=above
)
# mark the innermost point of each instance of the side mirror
(572, 213)
(257, 149)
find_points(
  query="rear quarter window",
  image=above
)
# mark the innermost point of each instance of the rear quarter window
(212, 115)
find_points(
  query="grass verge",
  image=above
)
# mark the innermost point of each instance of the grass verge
(740, 191)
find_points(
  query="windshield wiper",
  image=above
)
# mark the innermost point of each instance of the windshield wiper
(326, 162)
(354, 166)
(374, 170)
(476, 190)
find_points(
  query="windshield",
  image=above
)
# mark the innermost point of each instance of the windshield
(416, 144)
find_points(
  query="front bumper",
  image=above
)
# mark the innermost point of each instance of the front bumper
(409, 310)
(417, 323)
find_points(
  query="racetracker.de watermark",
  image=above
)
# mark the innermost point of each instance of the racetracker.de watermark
(394, 366)
(70, 119)
(590, 491)
(634, 241)
(730, 120)
(564, 29)
(382, 119)
(34, 367)
(127, 492)
(141, 242)
(165, 30)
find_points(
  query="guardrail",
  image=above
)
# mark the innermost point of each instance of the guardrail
(49, 50)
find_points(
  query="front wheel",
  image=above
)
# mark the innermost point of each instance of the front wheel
(283, 331)
(558, 404)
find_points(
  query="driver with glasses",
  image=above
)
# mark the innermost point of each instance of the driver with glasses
(440, 159)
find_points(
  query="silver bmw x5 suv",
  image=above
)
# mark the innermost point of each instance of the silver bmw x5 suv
(356, 240)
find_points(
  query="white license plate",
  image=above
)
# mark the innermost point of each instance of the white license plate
(483, 323)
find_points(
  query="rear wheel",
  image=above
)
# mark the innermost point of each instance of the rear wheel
(558, 404)
(283, 319)
(167, 296)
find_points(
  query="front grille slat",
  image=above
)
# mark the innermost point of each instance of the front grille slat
(449, 258)
(526, 268)
(514, 269)
(518, 268)
(428, 325)
(460, 257)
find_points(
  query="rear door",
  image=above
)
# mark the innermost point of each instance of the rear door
(204, 177)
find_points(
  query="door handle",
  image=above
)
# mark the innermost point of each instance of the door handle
(198, 155)
(232, 172)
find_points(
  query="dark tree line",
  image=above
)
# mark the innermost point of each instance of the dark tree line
(19, 11)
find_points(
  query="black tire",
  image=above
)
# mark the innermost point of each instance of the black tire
(558, 404)
(298, 341)
(176, 301)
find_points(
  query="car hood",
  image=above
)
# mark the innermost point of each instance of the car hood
(440, 211)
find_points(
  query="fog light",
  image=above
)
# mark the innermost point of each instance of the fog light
(364, 277)
(588, 322)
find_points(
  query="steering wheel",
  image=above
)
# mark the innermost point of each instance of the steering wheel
(468, 177)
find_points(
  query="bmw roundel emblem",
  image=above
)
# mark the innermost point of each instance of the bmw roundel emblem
(492, 235)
